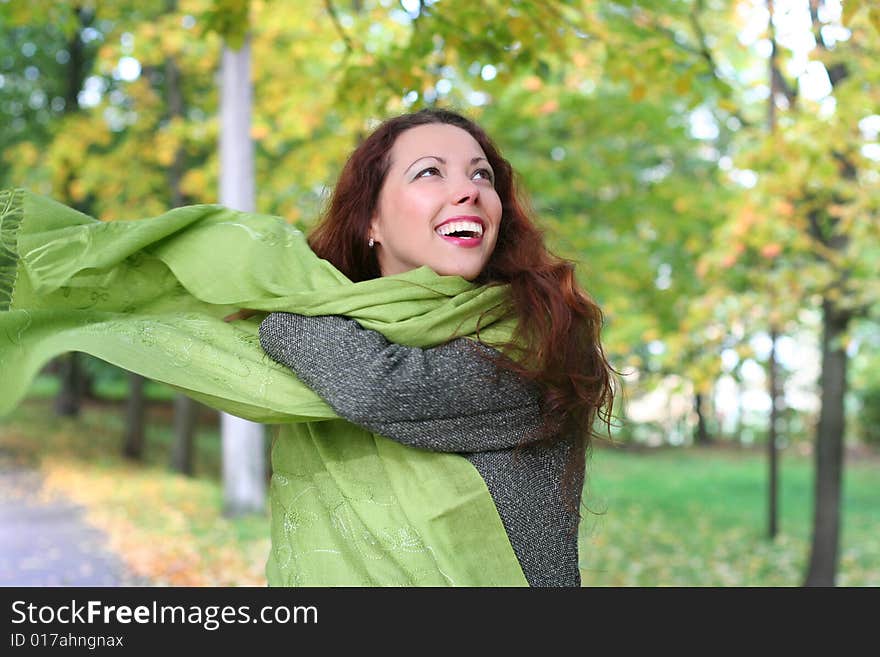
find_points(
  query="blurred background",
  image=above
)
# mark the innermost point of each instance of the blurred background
(712, 167)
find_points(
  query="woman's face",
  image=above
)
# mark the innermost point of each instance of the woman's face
(438, 205)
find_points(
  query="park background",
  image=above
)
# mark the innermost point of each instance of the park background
(712, 167)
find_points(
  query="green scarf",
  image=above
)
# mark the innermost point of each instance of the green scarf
(348, 507)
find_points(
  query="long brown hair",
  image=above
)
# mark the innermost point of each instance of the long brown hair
(557, 321)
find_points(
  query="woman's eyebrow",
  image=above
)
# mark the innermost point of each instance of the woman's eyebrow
(442, 161)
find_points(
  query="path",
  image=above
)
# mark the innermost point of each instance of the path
(50, 543)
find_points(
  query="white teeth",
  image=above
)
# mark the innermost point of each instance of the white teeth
(457, 226)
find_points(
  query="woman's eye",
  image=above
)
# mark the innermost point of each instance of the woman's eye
(483, 173)
(430, 171)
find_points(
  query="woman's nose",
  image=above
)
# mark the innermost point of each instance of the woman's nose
(468, 193)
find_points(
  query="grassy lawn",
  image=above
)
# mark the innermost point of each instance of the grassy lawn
(669, 517)
(685, 517)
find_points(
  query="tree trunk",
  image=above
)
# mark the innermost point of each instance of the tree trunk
(76, 72)
(133, 444)
(772, 445)
(701, 438)
(186, 415)
(830, 431)
(772, 451)
(244, 458)
(829, 450)
(69, 397)
(244, 466)
(76, 65)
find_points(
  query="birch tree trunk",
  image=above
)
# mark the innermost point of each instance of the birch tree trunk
(244, 457)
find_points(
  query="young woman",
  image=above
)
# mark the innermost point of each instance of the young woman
(447, 370)
(431, 190)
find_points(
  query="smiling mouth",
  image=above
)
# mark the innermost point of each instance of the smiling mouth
(461, 229)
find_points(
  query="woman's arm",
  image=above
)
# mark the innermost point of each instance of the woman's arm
(445, 399)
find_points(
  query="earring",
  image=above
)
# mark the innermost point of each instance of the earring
(371, 242)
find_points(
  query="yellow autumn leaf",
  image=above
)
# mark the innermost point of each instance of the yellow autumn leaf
(729, 260)
(172, 42)
(27, 154)
(771, 250)
(634, 360)
(549, 107)
(147, 31)
(194, 183)
(744, 221)
(532, 83)
(874, 17)
(77, 190)
(107, 52)
(259, 131)
(165, 148)
(784, 208)
(850, 9)
(683, 84)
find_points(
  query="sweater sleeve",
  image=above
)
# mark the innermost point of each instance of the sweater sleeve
(447, 398)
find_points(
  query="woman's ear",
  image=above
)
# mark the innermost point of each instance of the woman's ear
(375, 232)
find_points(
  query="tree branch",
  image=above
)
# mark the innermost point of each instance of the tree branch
(777, 80)
(349, 48)
(817, 26)
(703, 49)
(705, 52)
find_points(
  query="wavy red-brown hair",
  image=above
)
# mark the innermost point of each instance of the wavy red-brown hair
(557, 321)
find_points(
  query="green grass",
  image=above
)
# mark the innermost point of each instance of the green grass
(686, 517)
(667, 517)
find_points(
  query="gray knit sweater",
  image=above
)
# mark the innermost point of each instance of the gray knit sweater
(446, 399)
